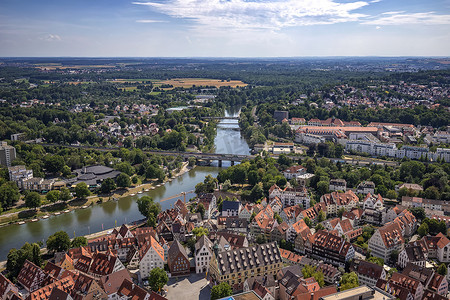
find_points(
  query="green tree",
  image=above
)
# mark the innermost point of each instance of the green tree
(322, 187)
(307, 222)
(9, 194)
(58, 242)
(79, 241)
(52, 196)
(418, 212)
(391, 194)
(277, 217)
(157, 279)
(261, 239)
(66, 171)
(309, 271)
(199, 231)
(319, 227)
(340, 212)
(442, 269)
(123, 180)
(108, 185)
(376, 260)
(221, 290)
(423, 230)
(257, 192)
(432, 193)
(348, 281)
(144, 205)
(16, 258)
(82, 191)
(201, 209)
(322, 216)
(65, 194)
(33, 200)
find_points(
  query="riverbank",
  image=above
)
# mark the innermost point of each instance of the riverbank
(45, 212)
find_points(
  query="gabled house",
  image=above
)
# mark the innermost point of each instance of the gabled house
(31, 276)
(130, 291)
(373, 202)
(112, 282)
(65, 284)
(335, 201)
(443, 248)
(7, 288)
(230, 208)
(87, 288)
(330, 248)
(104, 264)
(151, 256)
(298, 228)
(431, 280)
(178, 260)
(337, 185)
(279, 232)
(293, 172)
(386, 239)
(366, 187)
(203, 254)
(291, 196)
(411, 254)
(368, 273)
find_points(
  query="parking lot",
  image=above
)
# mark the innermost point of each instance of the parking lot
(194, 286)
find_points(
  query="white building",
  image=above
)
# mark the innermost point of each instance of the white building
(443, 249)
(365, 188)
(152, 256)
(373, 202)
(18, 174)
(203, 254)
(291, 196)
(412, 254)
(385, 240)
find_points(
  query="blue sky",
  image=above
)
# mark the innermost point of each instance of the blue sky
(231, 28)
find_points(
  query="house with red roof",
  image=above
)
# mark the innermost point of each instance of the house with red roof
(151, 255)
(31, 276)
(7, 288)
(335, 201)
(386, 239)
(178, 260)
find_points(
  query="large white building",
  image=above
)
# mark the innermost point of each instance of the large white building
(385, 240)
(152, 256)
(203, 254)
(291, 196)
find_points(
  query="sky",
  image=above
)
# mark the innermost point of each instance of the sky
(224, 28)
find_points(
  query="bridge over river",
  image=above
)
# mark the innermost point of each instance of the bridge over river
(198, 155)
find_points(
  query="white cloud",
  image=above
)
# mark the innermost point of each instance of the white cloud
(50, 37)
(377, 27)
(402, 18)
(375, 1)
(257, 14)
(150, 21)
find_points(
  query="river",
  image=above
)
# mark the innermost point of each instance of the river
(92, 219)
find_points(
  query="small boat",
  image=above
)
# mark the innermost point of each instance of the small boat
(57, 213)
(84, 206)
(34, 220)
(66, 211)
(146, 190)
(21, 223)
(152, 188)
(158, 185)
(45, 217)
(140, 192)
(132, 194)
